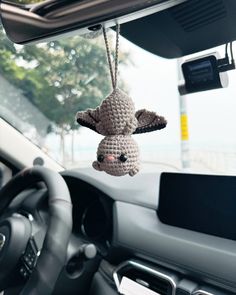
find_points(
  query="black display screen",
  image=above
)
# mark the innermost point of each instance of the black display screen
(201, 71)
(202, 203)
(201, 74)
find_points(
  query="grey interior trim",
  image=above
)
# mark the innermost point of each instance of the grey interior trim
(201, 292)
(211, 257)
(145, 268)
(100, 286)
(143, 189)
(25, 26)
(191, 27)
(136, 222)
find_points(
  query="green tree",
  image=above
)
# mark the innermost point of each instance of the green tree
(59, 77)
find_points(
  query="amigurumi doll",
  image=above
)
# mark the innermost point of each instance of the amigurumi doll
(116, 119)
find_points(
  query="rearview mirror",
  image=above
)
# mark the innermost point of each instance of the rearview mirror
(26, 23)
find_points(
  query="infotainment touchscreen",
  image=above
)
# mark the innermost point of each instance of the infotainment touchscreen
(202, 203)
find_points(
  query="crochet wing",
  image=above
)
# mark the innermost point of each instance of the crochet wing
(89, 118)
(149, 121)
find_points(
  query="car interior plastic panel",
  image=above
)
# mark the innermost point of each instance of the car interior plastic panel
(196, 254)
(133, 190)
(187, 28)
(102, 286)
(51, 18)
(210, 257)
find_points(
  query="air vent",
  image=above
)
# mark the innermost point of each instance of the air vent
(201, 292)
(152, 280)
(182, 292)
(194, 14)
(154, 283)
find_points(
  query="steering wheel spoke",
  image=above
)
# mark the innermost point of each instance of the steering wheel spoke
(29, 259)
(35, 252)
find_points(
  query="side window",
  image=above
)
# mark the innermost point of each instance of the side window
(5, 174)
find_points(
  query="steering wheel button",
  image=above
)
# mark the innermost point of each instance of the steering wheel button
(29, 262)
(24, 272)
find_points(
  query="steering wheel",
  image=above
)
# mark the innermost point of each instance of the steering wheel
(19, 249)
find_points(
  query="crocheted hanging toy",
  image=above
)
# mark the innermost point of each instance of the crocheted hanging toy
(116, 119)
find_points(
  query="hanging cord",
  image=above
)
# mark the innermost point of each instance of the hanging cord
(226, 50)
(113, 75)
(225, 64)
(231, 53)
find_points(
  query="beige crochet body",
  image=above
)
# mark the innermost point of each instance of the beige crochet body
(117, 120)
(116, 146)
(118, 153)
(118, 114)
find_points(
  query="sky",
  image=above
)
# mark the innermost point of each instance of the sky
(211, 114)
(152, 87)
(152, 82)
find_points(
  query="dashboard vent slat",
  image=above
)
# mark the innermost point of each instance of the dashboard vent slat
(156, 284)
(194, 14)
(157, 281)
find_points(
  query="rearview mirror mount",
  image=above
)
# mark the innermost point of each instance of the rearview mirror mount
(30, 23)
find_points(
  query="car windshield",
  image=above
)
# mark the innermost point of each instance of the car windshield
(44, 85)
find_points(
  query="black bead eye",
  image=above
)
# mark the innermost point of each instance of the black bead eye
(100, 158)
(123, 158)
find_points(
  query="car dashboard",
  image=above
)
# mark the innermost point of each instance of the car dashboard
(136, 251)
(123, 213)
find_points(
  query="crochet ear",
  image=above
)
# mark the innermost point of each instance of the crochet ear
(89, 118)
(97, 166)
(149, 121)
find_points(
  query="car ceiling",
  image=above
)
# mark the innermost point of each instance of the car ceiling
(187, 28)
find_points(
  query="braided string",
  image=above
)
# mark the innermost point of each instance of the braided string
(117, 53)
(113, 76)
